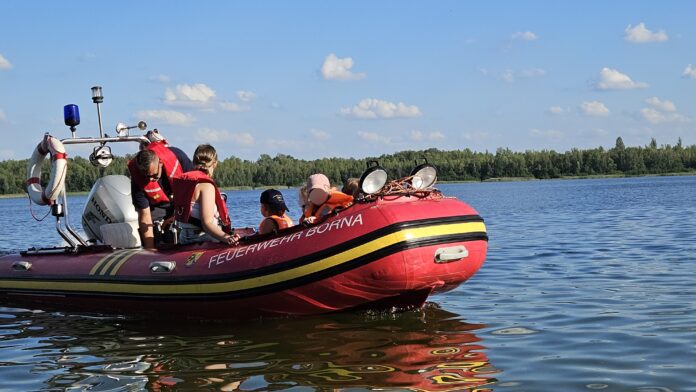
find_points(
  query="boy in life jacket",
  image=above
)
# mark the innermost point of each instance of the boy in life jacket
(273, 210)
(323, 199)
(152, 171)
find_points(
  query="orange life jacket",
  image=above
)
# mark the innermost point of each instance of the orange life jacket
(336, 200)
(283, 222)
(184, 187)
(170, 166)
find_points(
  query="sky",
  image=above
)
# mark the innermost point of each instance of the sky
(315, 79)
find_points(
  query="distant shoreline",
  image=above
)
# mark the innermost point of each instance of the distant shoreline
(501, 179)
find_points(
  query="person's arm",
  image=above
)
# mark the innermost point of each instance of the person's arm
(267, 226)
(206, 198)
(147, 232)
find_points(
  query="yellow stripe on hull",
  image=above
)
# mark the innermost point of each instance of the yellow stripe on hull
(149, 288)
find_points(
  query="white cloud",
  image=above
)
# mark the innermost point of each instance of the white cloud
(374, 137)
(662, 112)
(594, 108)
(640, 34)
(689, 72)
(246, 96)
(160, 78)
(652, 115)
(233, 107)
(524, 36)
(335, 68)
(2, 115)
(431, 136)
(436, 135)
(665, 106)
(656, 117)
(243, 138)
(213, 135)
(197, 95)
(171, 117)
(318, 134)
(611, 79)
(509, 75)
(5, 63)
(556, 110)
(546, 133)
(371, 108)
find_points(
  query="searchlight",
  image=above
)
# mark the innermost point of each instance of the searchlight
(423, 176)
(373, 179)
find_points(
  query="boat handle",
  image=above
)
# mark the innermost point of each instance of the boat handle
(21, 266)
(451, 253)
(162, 267)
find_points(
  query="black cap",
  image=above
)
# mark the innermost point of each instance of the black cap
(274, 199)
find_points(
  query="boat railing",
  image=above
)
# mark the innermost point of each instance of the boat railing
(100, 157)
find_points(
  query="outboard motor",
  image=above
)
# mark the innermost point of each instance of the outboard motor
(109, 216)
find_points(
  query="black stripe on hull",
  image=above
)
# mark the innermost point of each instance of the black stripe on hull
(285, 285)
(271, 269)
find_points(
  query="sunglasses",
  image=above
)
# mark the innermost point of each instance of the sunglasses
(155, 176)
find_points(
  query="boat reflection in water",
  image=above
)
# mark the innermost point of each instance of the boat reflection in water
(422, 350)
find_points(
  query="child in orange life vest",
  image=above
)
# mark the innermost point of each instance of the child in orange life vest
(322, 199)
(273, 210)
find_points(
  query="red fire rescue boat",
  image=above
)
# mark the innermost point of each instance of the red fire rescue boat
(394, 247)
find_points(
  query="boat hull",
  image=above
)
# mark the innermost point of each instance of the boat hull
(386, 253)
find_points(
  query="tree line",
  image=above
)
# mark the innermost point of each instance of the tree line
(452, 165)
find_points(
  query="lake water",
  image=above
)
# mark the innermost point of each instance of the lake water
(589, 285)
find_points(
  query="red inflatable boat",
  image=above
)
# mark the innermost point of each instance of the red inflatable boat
(388, 252)
(394, 247)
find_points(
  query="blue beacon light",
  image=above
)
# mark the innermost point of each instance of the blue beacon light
(71, 116)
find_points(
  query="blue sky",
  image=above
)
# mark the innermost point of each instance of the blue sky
(352, 79)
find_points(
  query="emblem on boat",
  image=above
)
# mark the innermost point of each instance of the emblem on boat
(193, 258)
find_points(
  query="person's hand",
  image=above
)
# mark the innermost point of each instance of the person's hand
(310, 219)
(232, 240)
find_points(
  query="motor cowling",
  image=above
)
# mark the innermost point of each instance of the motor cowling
(109, 216)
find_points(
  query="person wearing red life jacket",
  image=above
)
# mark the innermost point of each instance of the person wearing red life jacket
(199, 208)
(273, 210)
(152, 171)
(323, 199)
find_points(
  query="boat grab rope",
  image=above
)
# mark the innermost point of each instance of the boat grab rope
(31, 210)
(403, 187)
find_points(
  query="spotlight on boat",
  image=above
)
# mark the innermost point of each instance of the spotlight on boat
(423, 175)
(101, 156)
(373, 179)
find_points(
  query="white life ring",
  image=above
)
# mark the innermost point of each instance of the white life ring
(59, 165)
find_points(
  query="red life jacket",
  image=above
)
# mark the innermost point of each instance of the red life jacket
(283, 222)
(184, 187)
(170, 167)
(336, 200)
